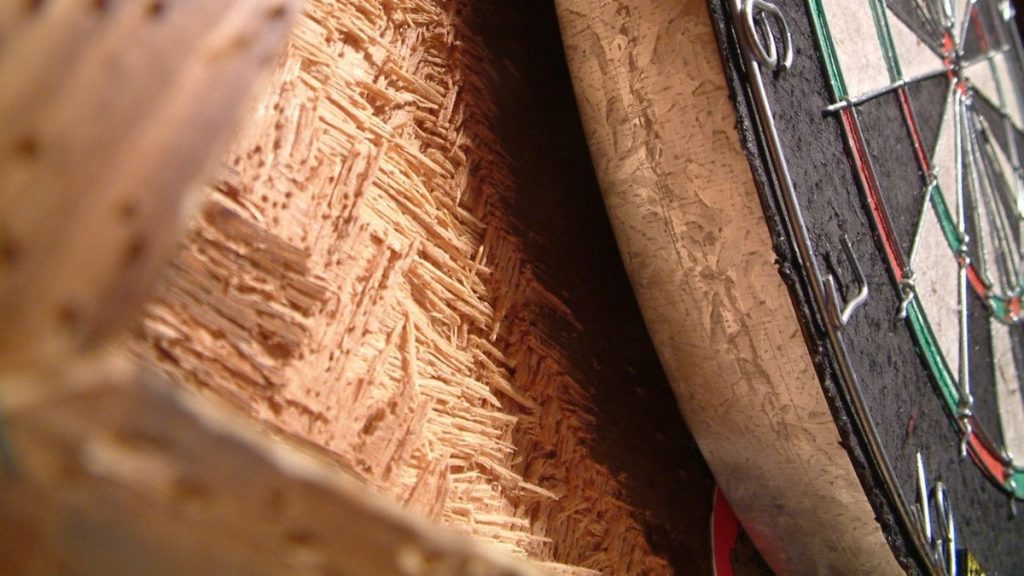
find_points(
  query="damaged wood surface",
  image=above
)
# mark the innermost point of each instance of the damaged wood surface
(363, 279)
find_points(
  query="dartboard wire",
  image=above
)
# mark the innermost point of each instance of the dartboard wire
(980, 188)
(965, 27)
(978, 447)
(965, 408)
(928, 20)
(870, 183)
(926, 204)
(984, 137)
(927, 170)
(1007, 253)
(847, 102)
(981, 241)
(880, 15)
(958, 164)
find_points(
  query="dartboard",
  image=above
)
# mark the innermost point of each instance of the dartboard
(945, 77)
(820, 204)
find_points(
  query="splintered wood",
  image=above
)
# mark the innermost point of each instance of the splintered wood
(354, 281)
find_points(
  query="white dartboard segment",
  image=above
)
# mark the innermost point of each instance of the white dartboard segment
(1008, 389)
(992, 78)
(961, 16)
(936, 274)
(857, 45)
(994, 211)
(916, 59)
(944, 157)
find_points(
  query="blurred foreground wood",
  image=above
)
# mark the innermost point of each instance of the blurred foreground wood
(108, 112)
(114, 472)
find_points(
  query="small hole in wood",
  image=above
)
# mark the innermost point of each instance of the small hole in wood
(27, 147)
(134, 251)
(192, 493)
(128, 211)
(155, 9)
(10, 251)
(69, 315)
(34, 6)
(100, 5)
(277, 12)
(300, 537)
(372, 422)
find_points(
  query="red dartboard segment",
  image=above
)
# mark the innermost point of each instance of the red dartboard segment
(976, 283)
(725, 532)
(870, 184)
(985, 456)
(915, 131)
(979, 30)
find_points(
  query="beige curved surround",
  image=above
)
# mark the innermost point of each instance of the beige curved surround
(682, 200)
